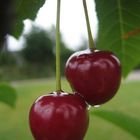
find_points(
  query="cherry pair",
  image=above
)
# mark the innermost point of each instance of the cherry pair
(95, 77)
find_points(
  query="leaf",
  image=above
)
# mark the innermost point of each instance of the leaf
(119, 30)
(126, 122)
(8, 94)
(25, 9)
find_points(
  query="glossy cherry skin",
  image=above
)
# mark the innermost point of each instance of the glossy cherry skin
(59, 117)
(96, 75)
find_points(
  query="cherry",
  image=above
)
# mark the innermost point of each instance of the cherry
(59, 117)
(96, 75)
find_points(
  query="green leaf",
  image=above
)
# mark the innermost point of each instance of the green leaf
(119, 30)
(25, 9)
(8, 94)
(126, 122)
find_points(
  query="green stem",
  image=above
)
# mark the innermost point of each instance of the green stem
(58, 73)
(90, 37)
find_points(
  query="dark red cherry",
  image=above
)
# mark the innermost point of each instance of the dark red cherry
(96, 75)
(59, 117)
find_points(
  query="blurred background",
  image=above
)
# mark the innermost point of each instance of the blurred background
(35, 48)
(23, 58)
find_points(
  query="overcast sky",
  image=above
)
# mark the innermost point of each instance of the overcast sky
(73, 24)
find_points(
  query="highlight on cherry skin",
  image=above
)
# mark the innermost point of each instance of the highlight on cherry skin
(60, 116)
(95, 74)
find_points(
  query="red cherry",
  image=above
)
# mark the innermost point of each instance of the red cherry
(96, 75)
(59, 117)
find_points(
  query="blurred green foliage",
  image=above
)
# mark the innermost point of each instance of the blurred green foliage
(8, 94)
(6, 58)
(38, 48)
(36, 59)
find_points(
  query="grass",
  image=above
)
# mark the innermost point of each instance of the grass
(14, 122)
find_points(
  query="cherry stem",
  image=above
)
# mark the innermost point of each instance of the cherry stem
(90, 37)
(58, 71)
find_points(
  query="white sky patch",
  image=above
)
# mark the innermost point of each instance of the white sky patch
(12, 44)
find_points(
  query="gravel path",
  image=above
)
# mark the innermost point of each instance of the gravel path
(135, 75)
